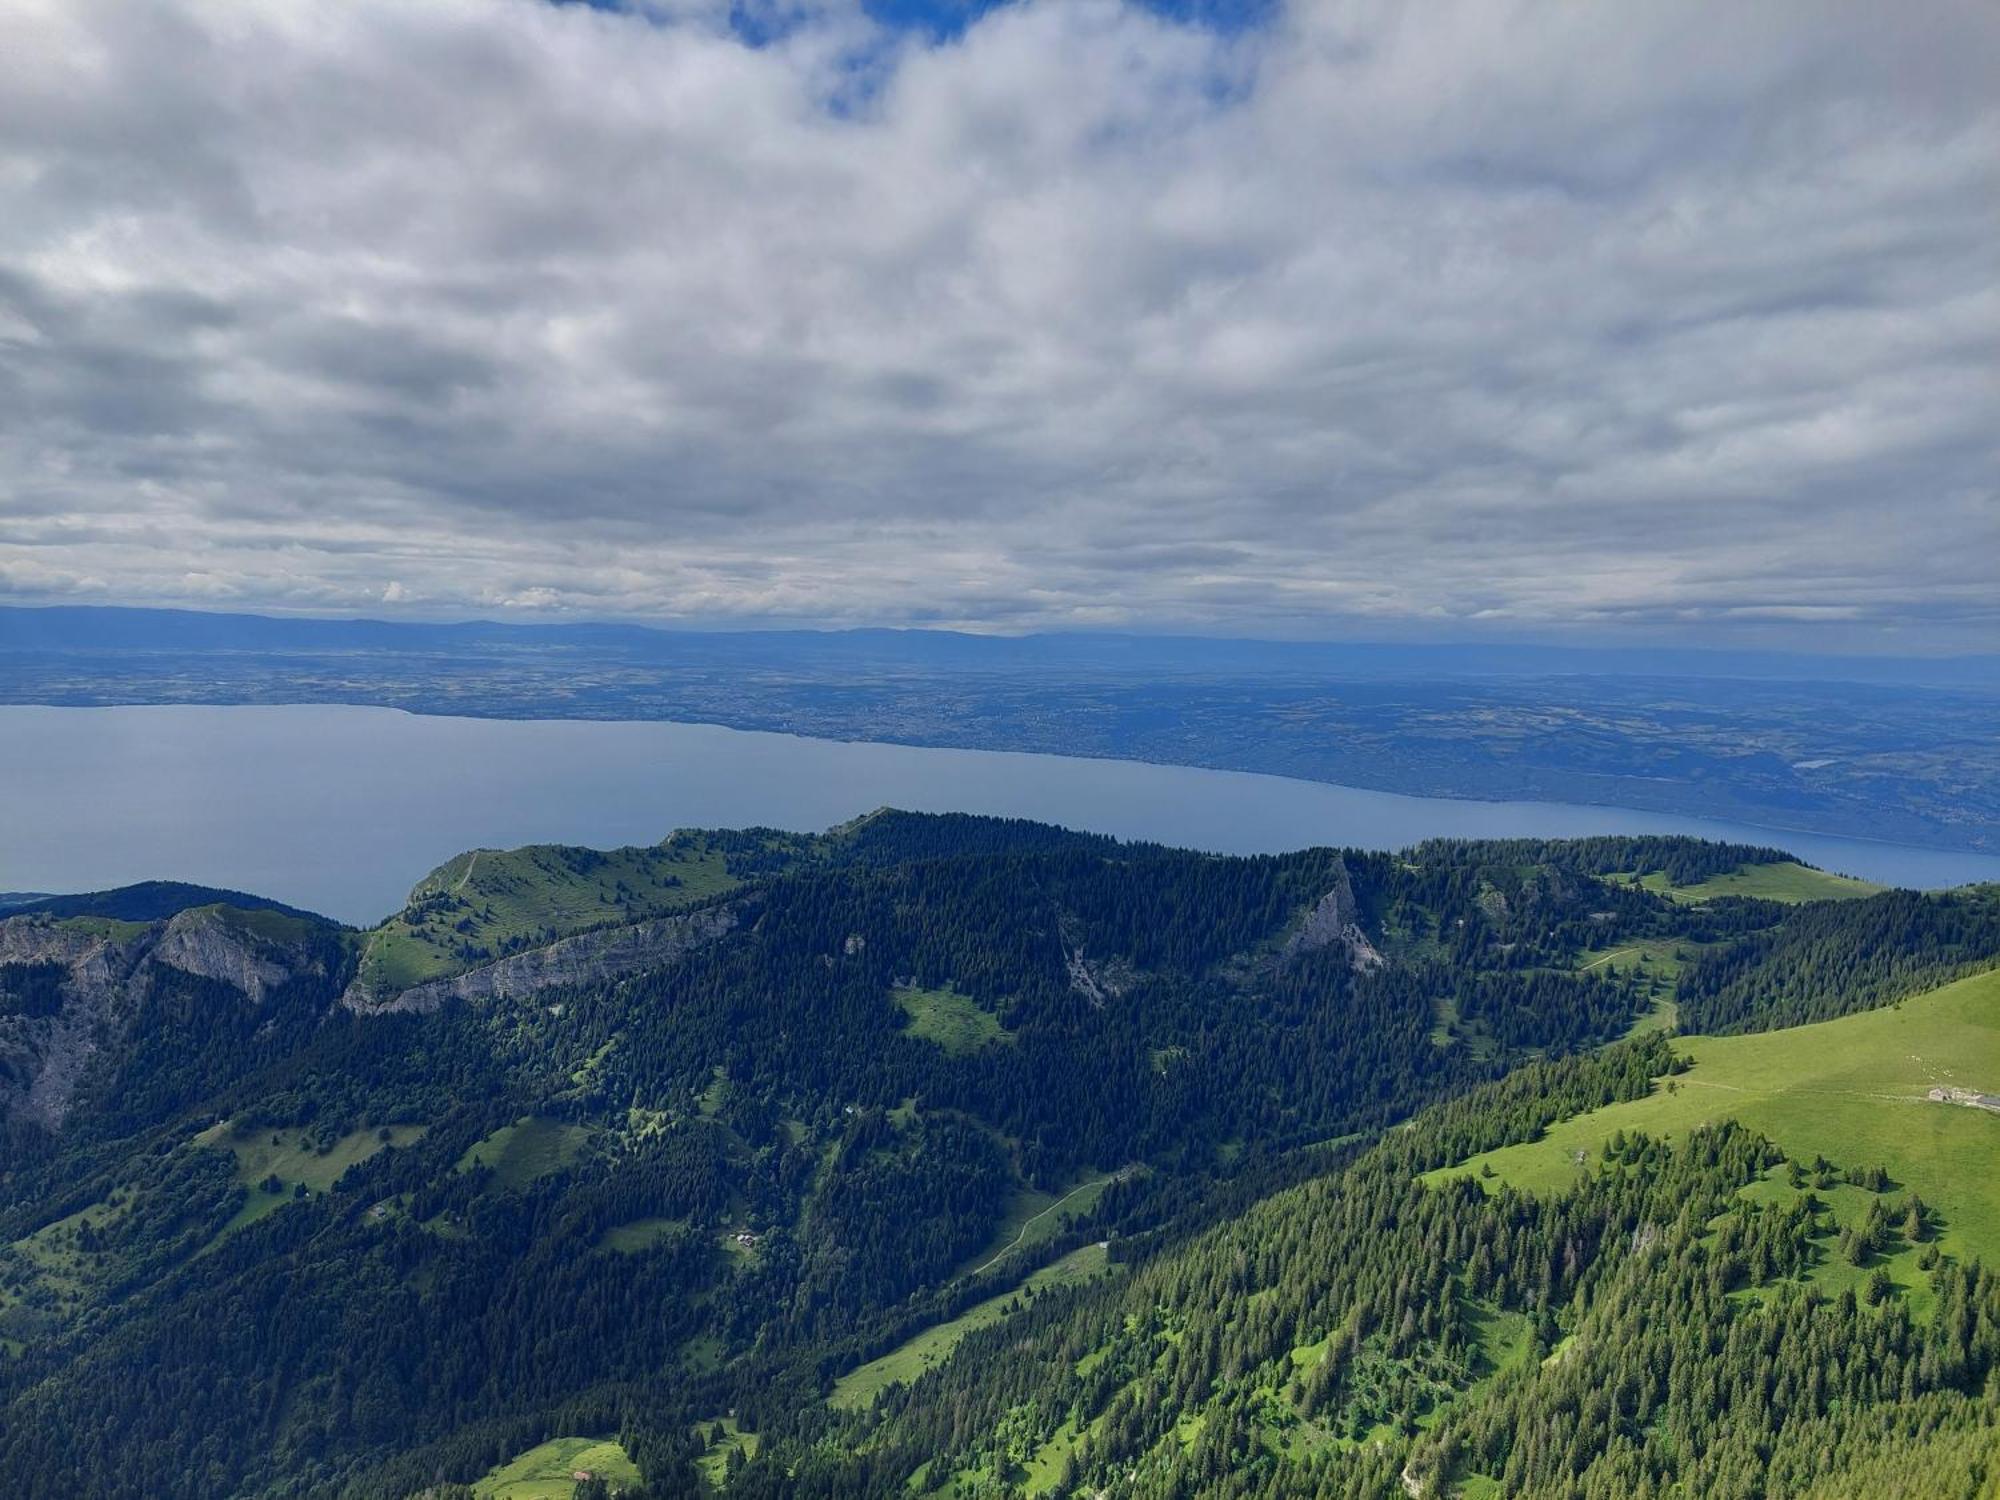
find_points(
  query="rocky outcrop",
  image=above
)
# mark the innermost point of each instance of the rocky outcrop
(1335, 919)
(42, 1055)
(590, 957)
(94, 961)
(100, 976)
(1098, 980)
(1971, 1098)
(205, 943)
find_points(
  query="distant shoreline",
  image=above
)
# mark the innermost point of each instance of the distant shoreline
(340, 808)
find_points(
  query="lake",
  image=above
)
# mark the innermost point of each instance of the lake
(342, 809)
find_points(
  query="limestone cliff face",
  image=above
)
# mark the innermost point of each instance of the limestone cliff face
(202, 942)
(612, 953)
(1336, 920)
(67, 991)
(42, 1055)
(94, 961)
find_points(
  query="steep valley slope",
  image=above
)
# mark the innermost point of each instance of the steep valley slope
(652, 1152)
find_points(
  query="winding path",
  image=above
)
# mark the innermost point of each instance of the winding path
(1608, 958)
(1083, 1187)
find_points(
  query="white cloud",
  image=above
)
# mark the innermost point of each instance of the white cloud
(1508, 316)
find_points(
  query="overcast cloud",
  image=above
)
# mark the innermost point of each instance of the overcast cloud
(1453, 317)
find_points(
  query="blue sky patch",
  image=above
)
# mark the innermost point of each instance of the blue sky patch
(946, 18)
(760, 22)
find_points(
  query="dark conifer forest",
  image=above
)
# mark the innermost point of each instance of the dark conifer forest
(964, 1157)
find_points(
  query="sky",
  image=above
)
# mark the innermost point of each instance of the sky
(1318, 319)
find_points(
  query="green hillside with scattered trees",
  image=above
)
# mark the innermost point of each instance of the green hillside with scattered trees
(490, 903)
(965, 1157)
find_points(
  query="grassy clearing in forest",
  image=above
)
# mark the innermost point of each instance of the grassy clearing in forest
(955, 1022)
(640, 1234)
(724, 1438)
(854, 1390)
(1034, 1217)
(548, 1471)
(64, 1274)
(1851, 1090)
(1657, 962)
(295, 1160)
(1785, 881)
(291, 1155)
(61, 1277)
(529, 1148)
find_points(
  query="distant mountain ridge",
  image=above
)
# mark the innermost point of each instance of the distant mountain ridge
(148, 901)
(114, 628)
(1900, 750)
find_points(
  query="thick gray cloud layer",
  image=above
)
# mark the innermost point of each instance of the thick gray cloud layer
(1451, 316)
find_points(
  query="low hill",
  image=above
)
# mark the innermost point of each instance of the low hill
(153, 901)
(488, 904)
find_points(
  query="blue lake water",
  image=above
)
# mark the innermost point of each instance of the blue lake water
(342, 809)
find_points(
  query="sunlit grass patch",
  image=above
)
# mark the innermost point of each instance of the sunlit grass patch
(956, 1022)
(1852, 1090)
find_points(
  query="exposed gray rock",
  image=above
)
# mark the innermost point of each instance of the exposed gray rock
(610, 953)
(92, 958)
(1972, 1098)
(203, 943)
(1336, 920)
(1098, 980)
(41, 1057)
(103, 981)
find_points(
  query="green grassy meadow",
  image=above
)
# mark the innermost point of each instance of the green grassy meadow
(63, 1277)
(1785, 881)
(1851, 1090)
(529, 1148)
(1656, 961)
(640, 1234)
(1846, 1207)
(714, 1461)
(956, 1022)
(291, 1156)
(487, 903)
(1034, 1217)
(272, 926)
(858, 1387)
(546, 1472)
(294, 1159)
(117, 929)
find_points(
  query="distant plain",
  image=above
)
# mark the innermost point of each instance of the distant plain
(341, 809)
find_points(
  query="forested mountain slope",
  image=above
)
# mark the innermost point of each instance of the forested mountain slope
(304, 1227)
(1714, 1310)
